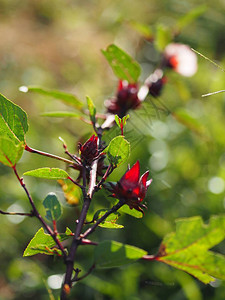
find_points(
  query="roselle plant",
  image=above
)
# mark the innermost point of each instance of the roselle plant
(95, 160)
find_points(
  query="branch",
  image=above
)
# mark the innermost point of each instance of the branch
(37, 215)
(16, 214)
(31, 150)
(112, 210)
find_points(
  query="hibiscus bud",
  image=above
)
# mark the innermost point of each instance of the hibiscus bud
(89, 150)
(125, 99)
(132, 188)
(181, 58)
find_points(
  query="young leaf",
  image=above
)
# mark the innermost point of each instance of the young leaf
(48, 173)
(122, 64)
(44, 243)
(163, 37)
(52, 207)
(110, 221)
(110, 254)
(132, 212)
(13, 120)
(187, 248)
(118, 150)
(68, 98)
(92, 110)
(10, 151)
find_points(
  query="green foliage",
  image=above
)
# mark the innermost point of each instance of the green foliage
(110, 221)
(10, 151)
(110, 254)
(118, 150)
(163, 37)
(190, 17)
(132, 212)
(187, 248)
(43, 243)
(67, 98)
(122, 64)
(48, 173)
(52, 207)
(92, 109)
(13, 120)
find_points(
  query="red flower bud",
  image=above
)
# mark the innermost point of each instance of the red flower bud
(125, 99)
(89, 150)
(132, 188)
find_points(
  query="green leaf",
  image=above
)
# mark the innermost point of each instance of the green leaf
(43, 243)
(67, 98)
(132, 212)
(190, 17)
(68, 231)
(122, 64)
(110, 221)
(187, 248)
(121, 122)
(13, 120)
(63, 114)
(92, 110)
(48, 173)
(52, 207)
(118, 150)
(72, 193)
(10, 151)
(163, 37)
(143, 29)
(110, 254)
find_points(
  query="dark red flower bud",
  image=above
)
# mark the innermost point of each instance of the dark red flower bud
(126, 98)
(132, 188)
(89, 150)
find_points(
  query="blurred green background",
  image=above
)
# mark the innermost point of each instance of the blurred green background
(56, 44)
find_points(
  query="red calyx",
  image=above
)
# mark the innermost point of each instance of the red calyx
(132, 188)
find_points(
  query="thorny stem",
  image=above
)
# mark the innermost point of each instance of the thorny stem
(37, 215)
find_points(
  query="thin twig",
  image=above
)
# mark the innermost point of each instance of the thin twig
(112, 210)
(85, 275)
(16, 214)
(36, 214)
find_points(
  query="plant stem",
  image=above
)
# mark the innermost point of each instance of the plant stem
(37, 215)
(29, 149)
(16, 214)
(112, 210)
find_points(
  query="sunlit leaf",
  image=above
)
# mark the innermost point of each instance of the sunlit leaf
(48, 173)
(132, 212)
(52, 207)
(92, 109)
(10, 151)
(122, 64)
(68, 98)
(118, 150)
(110, 221)
(110, 254)
(43, 243)
(188, 248)
(13, 120)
